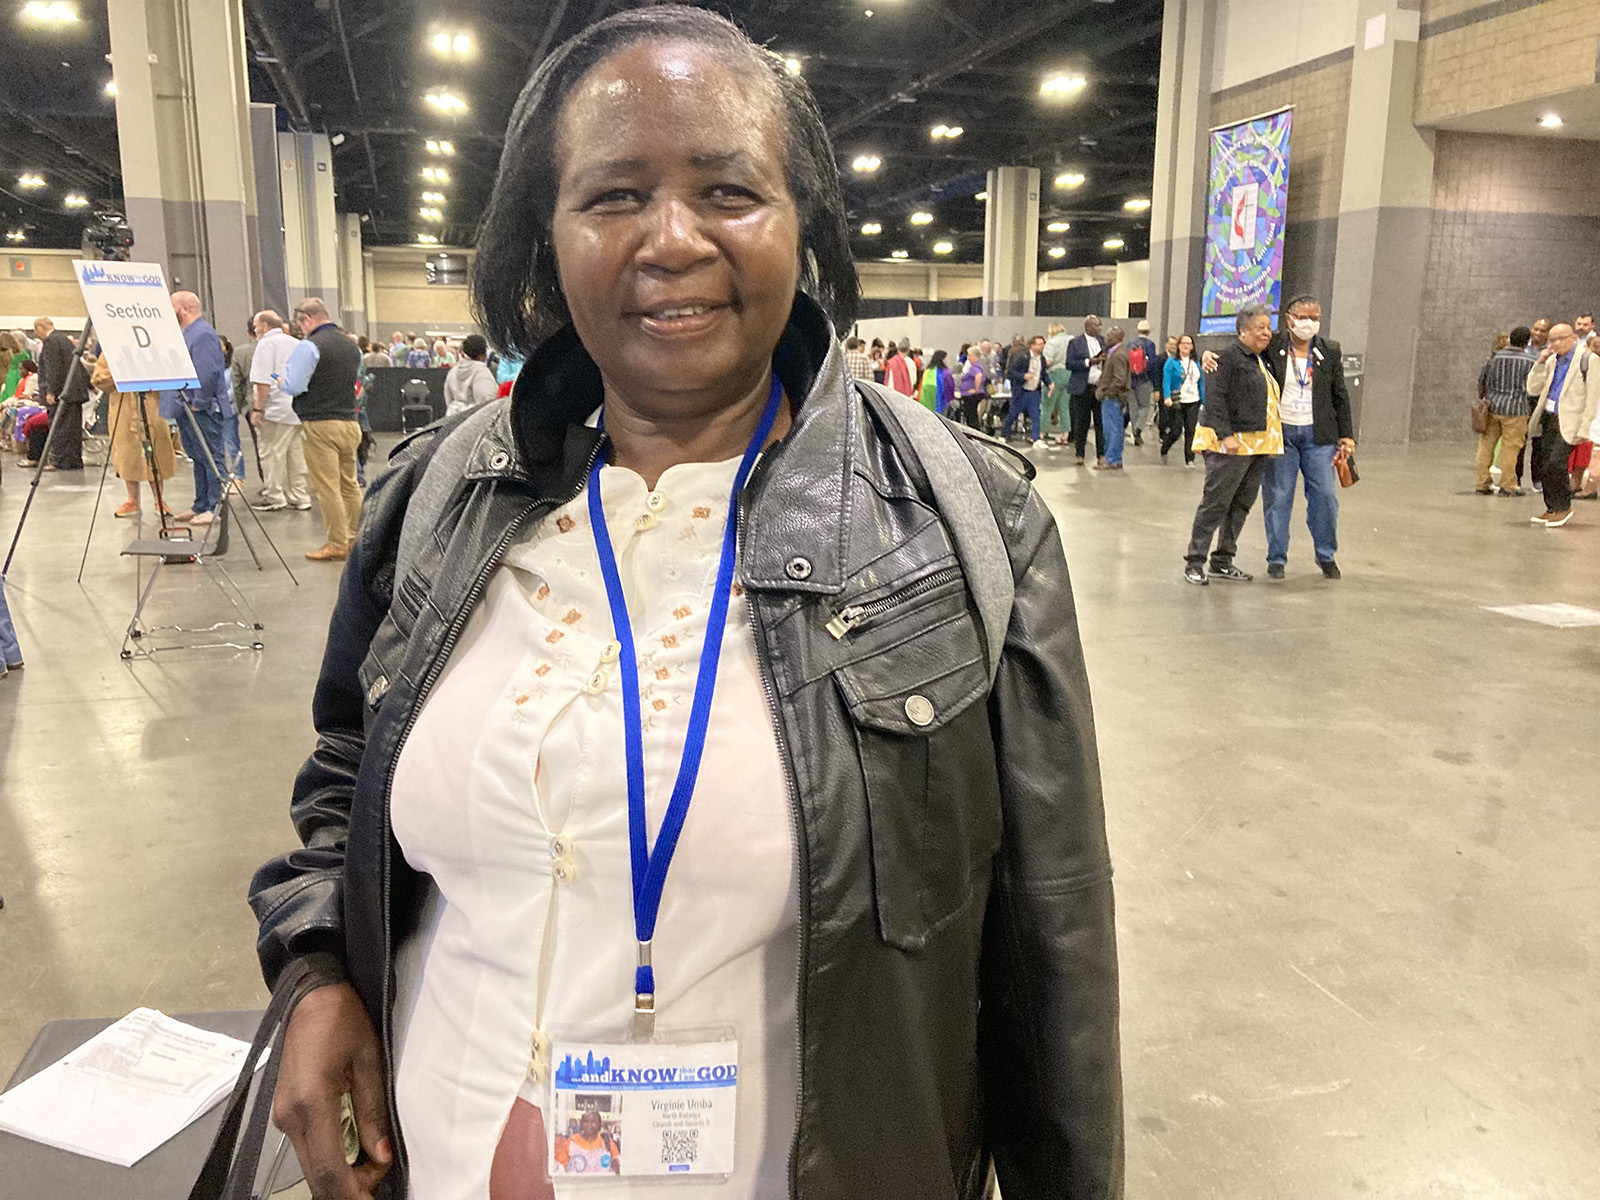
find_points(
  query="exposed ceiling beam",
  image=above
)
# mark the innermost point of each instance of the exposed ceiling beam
(1039, 21)
(275, 61)
(357, 32)
(91, 159)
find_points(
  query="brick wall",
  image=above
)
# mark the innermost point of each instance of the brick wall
(1513, 53)
(1514, 235)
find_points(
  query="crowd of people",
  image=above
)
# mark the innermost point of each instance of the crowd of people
(1530, 398)
(1268, 412)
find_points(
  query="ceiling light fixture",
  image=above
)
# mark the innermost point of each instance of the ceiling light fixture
(433, 197)
(1057, 86)
(1115, 243)
(447, 102)
(981, 197)
(1057, 252)
(792, 65)
(437, 147)
(30, 181)
(943, 247)
(865, 164)
(1550, 121)
(111, 87)
(50, 12)
(922, 218)
(950, 132)
(427, 239)
(76, 200)
(436, 174)
(872, 229)
(461, 43)
(430, 214)
(899, 254)
(1070, 179)
(1137, 204)
(15, 235)
(452, 43)
(1058, 227)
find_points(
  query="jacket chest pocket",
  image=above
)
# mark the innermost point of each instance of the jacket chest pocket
(927, 758)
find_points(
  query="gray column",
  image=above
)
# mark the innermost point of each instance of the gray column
(352, 275)
(310, 225)
(269, 207)
(1011, 242)
(183, 131)
(1384, 213)
(1178, 208)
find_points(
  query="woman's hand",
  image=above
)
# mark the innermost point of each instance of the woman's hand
(1208, 362)
(1347, 446)
(331, 1049)
(1167, 402)
(1230, 445)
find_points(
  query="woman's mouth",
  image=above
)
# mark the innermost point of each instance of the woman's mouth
(680, 319)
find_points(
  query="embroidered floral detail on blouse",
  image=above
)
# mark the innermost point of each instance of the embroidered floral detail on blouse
(682, 612)
(543, 593)
(554, 636)
(572, 618)
(659, 705)
(701, 512)
(542, 670)
(663, 673)
(565, 523)
(670, 641)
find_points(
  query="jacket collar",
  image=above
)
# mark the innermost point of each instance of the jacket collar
(541, 439)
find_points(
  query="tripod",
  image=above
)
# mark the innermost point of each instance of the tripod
(49, 440)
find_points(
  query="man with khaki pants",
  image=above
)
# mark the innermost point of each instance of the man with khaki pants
(1502, 386)
(279, 437)
(321, 376)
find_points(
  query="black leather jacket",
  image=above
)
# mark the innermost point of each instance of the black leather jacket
(959, 974)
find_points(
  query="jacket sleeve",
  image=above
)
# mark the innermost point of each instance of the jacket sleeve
(1539, 377)
(299, 368)
(1171, 378)
(1591, 393)
(1078, 354)
(298, 897)
(1341, 394)
(1221, 389)
(1048, 1043)
(208, 365)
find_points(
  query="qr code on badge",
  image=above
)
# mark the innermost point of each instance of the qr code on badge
(679, 1145)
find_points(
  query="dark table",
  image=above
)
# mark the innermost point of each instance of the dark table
(382, 397)
(40, 1172)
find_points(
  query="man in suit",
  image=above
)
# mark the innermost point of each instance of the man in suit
(56, 354)
(1565, 384)
(1317, 426)
(1085, 355)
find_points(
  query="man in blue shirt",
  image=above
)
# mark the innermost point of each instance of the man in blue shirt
(1565, 384)
(202, 436)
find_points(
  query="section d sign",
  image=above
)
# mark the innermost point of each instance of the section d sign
(137, 328)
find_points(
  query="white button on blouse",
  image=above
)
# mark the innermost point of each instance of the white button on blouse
(511, 794)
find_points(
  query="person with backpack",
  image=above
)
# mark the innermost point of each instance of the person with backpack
(791, 761)
(1144, 372)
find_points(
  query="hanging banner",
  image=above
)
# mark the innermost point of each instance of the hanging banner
(138, 331)
(1248, 200)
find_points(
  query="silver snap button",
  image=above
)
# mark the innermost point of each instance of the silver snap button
(559, 847)
(645, 521)
(919, 710)
(378, 690)
(655, 501)
(798, 568)
(596, 683)
(610, 653)
(500, 461)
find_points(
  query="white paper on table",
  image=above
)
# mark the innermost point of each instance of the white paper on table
(126, 1090)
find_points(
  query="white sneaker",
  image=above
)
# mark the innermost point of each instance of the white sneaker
(1038, 443)
(300, 505)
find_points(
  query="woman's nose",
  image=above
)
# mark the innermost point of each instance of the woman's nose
(675, 238)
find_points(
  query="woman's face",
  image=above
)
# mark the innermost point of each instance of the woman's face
(1257, 333)
(676, 238)
(1186, 346)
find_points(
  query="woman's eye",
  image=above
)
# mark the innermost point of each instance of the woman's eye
(613, 200)
(732, 195)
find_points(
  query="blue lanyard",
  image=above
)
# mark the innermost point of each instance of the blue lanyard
(650, 867)
(1303, 380)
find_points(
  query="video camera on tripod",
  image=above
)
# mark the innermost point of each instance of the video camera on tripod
(108, 236)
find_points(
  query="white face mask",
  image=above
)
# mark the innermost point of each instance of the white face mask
(1304, 328)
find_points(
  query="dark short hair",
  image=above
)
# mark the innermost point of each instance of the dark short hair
(1302, 298)
(516, 289)
(1521, 336)
(474, 345)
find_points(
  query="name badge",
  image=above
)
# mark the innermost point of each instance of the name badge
(643, 1109)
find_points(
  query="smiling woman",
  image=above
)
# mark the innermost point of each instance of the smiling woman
(674, 775)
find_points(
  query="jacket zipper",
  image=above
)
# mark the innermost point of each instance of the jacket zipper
(802, 861)
(852, 617)
(434, 669)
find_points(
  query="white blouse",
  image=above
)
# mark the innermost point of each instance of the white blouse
(511, 794)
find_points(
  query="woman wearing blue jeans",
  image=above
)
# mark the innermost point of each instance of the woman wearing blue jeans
(10, 651)
(1317, 427)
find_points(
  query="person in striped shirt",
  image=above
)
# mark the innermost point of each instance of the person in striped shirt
(1503, 385)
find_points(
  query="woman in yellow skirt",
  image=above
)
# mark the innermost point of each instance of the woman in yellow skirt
(127, 439)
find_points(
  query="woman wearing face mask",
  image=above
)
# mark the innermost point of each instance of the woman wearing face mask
(1317, 427)
(688, 548)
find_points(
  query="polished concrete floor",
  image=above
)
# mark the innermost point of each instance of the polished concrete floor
(1355, 824)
